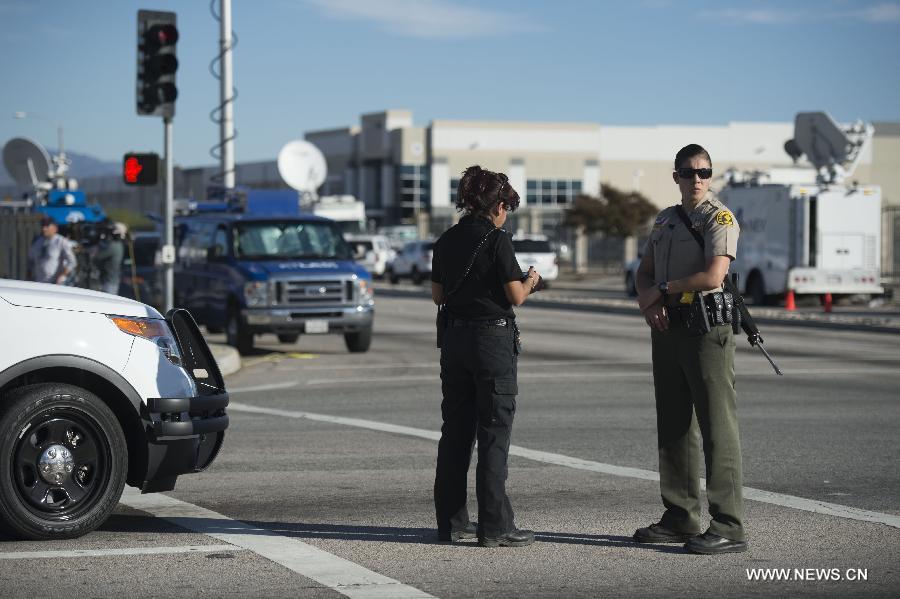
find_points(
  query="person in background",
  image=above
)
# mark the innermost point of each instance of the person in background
(50, 257)
(107, 258)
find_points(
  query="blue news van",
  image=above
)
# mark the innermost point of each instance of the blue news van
(249, 274)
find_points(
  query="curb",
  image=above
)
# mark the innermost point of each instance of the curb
(227, 357)
(628, 307)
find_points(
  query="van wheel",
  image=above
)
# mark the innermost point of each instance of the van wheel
(392, 277)
(416, 276)
(65, 462)
(359, 342)
(288, 337)
(236, 333)
(756, 289)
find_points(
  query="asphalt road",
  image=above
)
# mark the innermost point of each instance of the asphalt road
(324, 485)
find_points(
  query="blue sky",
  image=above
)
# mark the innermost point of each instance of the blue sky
(311, 64)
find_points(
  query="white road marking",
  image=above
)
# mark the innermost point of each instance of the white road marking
(800, 503)
(117, 552)
(563, 377)
(329, 570)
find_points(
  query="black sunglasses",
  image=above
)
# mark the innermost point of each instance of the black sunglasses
(688, 173)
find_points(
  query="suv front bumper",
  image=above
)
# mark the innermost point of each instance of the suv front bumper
(293, 320)
(185, 434)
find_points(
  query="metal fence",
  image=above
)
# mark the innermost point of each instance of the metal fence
(17, 230)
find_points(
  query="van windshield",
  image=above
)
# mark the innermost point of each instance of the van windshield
(280, 240)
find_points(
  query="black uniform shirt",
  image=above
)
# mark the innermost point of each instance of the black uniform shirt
(481, 295)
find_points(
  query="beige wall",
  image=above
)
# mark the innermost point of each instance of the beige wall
(886, 162)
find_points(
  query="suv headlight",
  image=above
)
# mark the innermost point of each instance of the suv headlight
(256, 293)
(154, 330)
(366, 289)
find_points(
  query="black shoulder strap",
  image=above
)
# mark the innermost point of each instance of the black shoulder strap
(469, 267)
(687, 223)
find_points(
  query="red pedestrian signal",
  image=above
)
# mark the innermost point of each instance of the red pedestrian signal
(140, 169)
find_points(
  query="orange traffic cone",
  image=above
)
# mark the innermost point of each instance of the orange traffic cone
(789, 304)
(827, 302)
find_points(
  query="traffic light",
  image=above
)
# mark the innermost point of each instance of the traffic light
(140, 169)
(156, 63)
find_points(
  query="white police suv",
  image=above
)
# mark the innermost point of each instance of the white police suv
(97, 391)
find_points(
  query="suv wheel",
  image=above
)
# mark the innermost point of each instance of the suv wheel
(65, 462)
(416, 276)
(236, 333)
(359, 342)
(393, 277)
(288, 337)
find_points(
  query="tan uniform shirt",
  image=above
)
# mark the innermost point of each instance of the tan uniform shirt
(676, 254)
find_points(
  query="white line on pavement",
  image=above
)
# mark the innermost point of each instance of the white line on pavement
(329, 570)
(117, 552)
(800, 503)
(564, 377)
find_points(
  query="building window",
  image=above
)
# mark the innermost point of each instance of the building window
(413, 188)
(551, 192)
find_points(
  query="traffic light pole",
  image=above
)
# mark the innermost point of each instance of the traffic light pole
(168, 250)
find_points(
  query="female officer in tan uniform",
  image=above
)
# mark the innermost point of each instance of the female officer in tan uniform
(693, 371)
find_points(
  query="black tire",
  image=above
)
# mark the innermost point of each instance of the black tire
(630, 289)
(288, 337)
(236, 334)
(756, 290)
(393, 277)
(416, 276)
(88, 448)
(359, 342)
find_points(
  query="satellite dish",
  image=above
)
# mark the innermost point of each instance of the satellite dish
(793, 150)
(27, 162)
(833, 149)
(302, 165)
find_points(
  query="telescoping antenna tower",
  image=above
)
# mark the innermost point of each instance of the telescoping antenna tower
(223, 114)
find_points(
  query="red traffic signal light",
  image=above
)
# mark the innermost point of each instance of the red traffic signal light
(140, 169)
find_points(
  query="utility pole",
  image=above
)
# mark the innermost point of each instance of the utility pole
(168, 253)
(226, 94)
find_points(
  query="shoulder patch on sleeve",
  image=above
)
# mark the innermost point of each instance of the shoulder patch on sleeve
(661, 219)
(725, 218)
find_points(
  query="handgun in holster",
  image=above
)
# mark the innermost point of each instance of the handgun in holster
(698, 318)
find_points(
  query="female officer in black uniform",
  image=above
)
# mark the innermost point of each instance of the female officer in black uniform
(478, 359)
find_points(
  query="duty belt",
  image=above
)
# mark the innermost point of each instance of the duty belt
(716, 309)
(480, 324)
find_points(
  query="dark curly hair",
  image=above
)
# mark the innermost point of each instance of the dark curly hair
(480, 190)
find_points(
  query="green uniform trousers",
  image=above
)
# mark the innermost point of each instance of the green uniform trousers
(694, 381)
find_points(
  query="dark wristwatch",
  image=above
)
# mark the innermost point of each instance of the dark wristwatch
(663, 287)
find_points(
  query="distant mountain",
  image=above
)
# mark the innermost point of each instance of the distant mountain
(82, 167)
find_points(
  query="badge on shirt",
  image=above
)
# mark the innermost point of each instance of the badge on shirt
(724, 218)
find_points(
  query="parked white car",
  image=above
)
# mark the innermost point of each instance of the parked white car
(97, 391)
(536, 251)
(374, 252)
(413, 261)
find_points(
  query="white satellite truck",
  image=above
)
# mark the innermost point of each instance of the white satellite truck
(807, 230)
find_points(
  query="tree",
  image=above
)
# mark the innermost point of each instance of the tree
(616, 213)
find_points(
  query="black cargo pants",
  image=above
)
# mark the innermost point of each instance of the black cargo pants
(478, 380)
